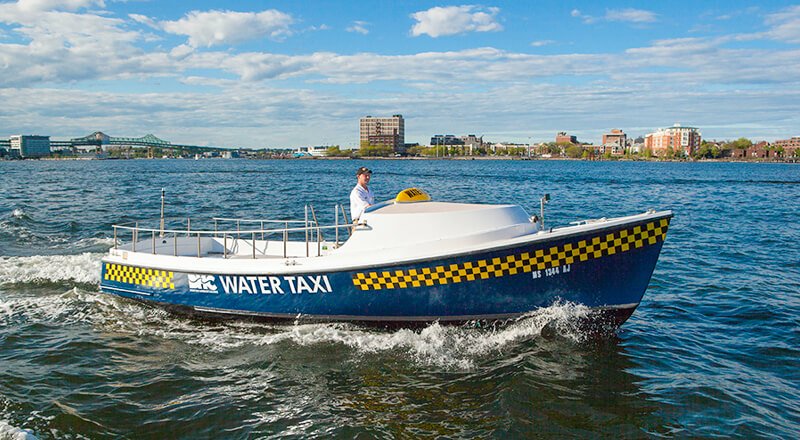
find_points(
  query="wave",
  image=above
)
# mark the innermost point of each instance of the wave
(447, 346)
(8, 432)
(60, 236)
(436, 345)
(81, 268)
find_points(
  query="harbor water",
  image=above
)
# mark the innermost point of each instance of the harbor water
(713, 351)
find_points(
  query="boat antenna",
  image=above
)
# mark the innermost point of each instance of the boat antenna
(543, 202)
(162, 212)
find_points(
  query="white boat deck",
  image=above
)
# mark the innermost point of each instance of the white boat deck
(387, 233)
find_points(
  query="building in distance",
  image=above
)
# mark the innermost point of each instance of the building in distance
(383, 132)
(790, 146)
(615, 142)
(26, 145)
(446, 139)
(469, 144)
(563, 138)
(679, 139)
(313, 151)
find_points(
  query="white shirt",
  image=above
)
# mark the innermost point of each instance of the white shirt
(360, 198)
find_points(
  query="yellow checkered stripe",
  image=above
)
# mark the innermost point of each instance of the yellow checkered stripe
(140, 276)
(583, 250)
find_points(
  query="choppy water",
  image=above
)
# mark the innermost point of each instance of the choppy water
(713, 351)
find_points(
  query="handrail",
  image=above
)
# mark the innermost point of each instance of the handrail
(188, 221)
(232, 232)
(309, 227)
(255, 220)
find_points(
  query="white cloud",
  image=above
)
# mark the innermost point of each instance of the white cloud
(60, 5)
(785, 25)
(628, 15)
(59, 46)
(181, 51)
(540, 43)
(144, 20)
(212, 28)
(451, 20)
(359, 27)
(46, 49)
(631, 15)
(668, 50)
(588, 19)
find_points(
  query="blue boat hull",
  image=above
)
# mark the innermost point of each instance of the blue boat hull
(607, 270)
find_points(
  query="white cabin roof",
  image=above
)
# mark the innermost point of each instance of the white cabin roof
(436, 224)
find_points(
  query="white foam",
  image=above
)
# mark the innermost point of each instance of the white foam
(96, 241)
(446, 346)
(80, 268)
(39, 308)
(8, 432)
(18, 213)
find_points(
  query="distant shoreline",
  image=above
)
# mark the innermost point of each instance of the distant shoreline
(456, 158)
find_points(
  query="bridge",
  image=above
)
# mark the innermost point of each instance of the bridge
(101, 139)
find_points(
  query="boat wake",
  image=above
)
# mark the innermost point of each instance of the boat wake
(447, 347)
(8, 432)
(81, 269)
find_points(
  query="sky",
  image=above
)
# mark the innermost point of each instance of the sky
(295, 73)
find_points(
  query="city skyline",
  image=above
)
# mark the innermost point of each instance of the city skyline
(303, 73)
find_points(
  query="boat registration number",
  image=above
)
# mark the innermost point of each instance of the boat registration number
(551, 271)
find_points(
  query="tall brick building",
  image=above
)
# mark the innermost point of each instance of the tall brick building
(383, 131)
(615, 142)
(682, 140)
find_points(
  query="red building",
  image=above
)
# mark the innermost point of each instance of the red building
(682, 140)
(563, 138)
(791, 146)
(615, 142)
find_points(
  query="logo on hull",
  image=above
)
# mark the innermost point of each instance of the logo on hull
(202, 283)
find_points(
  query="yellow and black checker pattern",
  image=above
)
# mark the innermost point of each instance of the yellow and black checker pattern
(140, 276)
(540, 259)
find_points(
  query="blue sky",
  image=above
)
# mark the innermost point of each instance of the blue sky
(287, 73)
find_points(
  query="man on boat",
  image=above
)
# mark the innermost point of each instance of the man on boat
(361, 196)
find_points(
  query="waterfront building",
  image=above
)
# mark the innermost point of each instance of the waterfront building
(615, 142)
(315, 151)
(472, 143)
(754, 152)
(510, 148)
(29, 145)
(446, 139)
(791, 146)
(390, 132)
(682, 140)
(563, 138)
(467, 144)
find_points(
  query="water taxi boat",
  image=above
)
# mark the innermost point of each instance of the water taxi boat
(407, 261)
